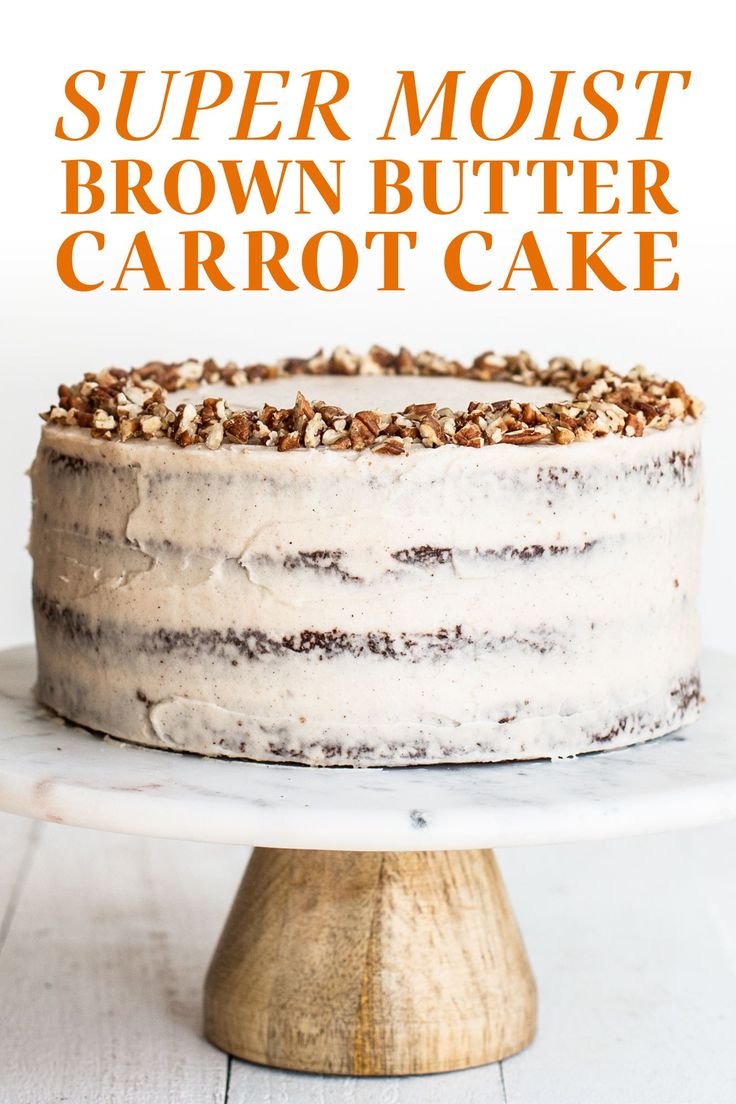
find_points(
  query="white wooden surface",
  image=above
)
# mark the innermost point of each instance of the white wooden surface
(104, 941)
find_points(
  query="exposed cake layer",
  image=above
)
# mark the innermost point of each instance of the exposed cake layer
(451, 605)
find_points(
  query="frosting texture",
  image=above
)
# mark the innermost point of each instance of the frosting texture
(345, 607)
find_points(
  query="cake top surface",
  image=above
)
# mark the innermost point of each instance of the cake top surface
(513, 400)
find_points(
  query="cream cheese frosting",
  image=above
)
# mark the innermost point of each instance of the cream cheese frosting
(347, 608)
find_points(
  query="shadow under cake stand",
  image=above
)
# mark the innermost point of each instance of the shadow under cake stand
(372, 933)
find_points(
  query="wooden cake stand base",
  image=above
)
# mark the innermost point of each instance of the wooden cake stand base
(371, 963)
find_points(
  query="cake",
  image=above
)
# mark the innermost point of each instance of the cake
(340, 561)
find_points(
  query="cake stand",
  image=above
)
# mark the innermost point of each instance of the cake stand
(371, 933)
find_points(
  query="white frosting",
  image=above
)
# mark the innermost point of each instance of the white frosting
(454, 604)
(365, 392)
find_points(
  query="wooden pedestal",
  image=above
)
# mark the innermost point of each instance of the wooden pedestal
(371, 963)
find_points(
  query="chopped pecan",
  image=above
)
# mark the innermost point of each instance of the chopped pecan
(102, 420)
(431, 433)
(330, 413)
(383, 357)
(239, 427)
(532, 415)
(526, 436)
(469, 435)
(332, 436)
(406, 363)
(391, 446)
(313, 430)
(128, 427)
(288, 442)
(116, 402)
(150, 425)
(675, 390)
(396, 428)
(302, 409)
(343, 362)
(341, 442)
(185, 438)
(280, 418)
(369, 418)
(214, 435)
(420, 410)
(635, 425)
(363, 430)
(566, 421)
(563, 435)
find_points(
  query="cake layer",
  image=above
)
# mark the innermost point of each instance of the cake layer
(318, 606)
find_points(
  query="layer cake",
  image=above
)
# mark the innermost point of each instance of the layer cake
(369, 575)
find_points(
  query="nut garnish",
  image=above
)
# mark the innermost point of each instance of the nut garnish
(391, 446)
(126, 405)
(469, 435)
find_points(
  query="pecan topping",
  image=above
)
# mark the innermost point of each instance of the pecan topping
(239, 427)
(392, 446)
(116, 403)
(370, 420)
(303, 412)
(431, 432)
(420, 410)
(363, 433)
(526, 436)
(469, 435)
(289, 442)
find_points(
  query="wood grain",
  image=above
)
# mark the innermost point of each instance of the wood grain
(371, 963)
(251, 1084)
(633, 941)
(19, 842)
(638, 998)
(102, 968)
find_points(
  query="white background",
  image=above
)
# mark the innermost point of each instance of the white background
(51, 334)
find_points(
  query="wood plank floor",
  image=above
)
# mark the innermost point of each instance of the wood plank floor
(104, 941)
